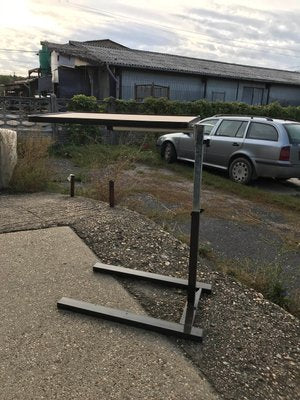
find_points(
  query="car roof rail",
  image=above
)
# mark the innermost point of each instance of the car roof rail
(240, 115)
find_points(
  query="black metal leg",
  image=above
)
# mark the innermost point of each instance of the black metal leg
(194, 248)
(183, 317)
(169, 328)
(125, 317)
(148, 276)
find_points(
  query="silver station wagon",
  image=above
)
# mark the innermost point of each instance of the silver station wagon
(247, 147)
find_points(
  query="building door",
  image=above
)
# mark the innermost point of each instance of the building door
(252, 96)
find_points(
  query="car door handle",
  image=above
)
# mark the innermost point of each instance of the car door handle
(235, 144)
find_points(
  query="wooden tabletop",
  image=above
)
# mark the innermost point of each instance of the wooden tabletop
(119, 120)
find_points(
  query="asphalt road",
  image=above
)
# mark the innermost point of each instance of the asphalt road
(291, 186)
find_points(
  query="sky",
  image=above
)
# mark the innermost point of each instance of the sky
(258, 32)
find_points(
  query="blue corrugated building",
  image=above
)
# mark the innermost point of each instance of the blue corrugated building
(104, 68)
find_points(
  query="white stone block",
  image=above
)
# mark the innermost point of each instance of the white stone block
(8, 155)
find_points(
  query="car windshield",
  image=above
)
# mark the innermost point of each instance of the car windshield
(293, 131)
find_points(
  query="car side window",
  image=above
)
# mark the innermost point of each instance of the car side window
(209, 125)
(261, 131)
(241, 131)
(231, 128)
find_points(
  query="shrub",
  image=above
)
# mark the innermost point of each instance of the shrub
(78, 133)
(83, 103)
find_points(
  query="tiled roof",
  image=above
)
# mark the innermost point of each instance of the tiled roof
(172, 63)
(100, 43)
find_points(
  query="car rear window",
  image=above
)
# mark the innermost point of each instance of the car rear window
(260, 131)
(293, 131)
(231, 128)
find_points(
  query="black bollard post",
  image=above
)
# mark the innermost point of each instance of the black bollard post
(111, 193)
(72, 185)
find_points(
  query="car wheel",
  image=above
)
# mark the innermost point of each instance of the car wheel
(170, 153)
(241, 171)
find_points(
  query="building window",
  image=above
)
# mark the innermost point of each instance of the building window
(253, 96)
(152, 90)
(218, 96)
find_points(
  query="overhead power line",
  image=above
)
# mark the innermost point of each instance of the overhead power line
(23, 62)
(173, 29)
(19, 50)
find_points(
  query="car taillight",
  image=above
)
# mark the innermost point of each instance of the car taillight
(285, 153)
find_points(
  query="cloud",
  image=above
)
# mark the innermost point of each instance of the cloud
(230, 31)
(270, 38)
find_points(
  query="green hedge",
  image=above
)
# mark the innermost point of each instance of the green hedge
(200, 107)
(169, 107)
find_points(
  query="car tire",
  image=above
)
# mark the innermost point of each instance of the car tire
(170, 155)
(241, 170)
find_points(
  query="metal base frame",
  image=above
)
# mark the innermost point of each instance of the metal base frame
(181, 330)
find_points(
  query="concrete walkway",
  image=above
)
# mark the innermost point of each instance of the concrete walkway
(50, 354)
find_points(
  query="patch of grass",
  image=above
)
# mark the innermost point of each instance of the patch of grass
(264, 278)
(289, 244)
(294, 303)
(223, 183)
(101, 155)
(251, 193)
(33, 170)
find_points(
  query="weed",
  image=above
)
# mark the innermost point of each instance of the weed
(99, 181)
(293, 303)
(99, 155)
(183, 237)
(33, 172)
(264, 278)
(206, 251)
